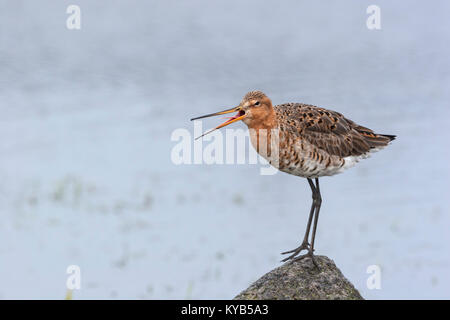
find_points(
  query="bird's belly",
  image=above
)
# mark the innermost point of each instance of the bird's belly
(309, 167)
(305, 161)
(301, 159)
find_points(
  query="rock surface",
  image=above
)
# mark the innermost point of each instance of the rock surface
(300, 280)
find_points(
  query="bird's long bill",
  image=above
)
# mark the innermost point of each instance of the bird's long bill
(239, 116)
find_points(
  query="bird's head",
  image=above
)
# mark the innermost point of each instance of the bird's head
(254, 108)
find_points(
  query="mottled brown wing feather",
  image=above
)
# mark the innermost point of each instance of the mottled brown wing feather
(328, 130)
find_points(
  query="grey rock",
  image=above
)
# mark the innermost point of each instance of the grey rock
(300, 280)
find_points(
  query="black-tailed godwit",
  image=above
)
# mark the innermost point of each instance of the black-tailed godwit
(312, 142)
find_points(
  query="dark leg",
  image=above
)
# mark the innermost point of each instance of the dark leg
(305, 244)
(316, 217)
(318, 202)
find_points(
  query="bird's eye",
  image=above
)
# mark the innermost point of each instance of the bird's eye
(257, 103)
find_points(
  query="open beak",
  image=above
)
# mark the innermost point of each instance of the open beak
(239, 116)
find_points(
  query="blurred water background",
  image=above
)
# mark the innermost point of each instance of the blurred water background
(86, 118)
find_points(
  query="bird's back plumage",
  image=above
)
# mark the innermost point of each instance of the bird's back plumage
(316, 141)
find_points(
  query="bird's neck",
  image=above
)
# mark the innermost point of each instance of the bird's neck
(268, 122)
(262, 134)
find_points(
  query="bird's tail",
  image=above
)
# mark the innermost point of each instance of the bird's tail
(375, 140)
(389, 136)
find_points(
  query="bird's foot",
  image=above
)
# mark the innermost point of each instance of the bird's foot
(310, 255)
(304, 246)
(295, 257)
